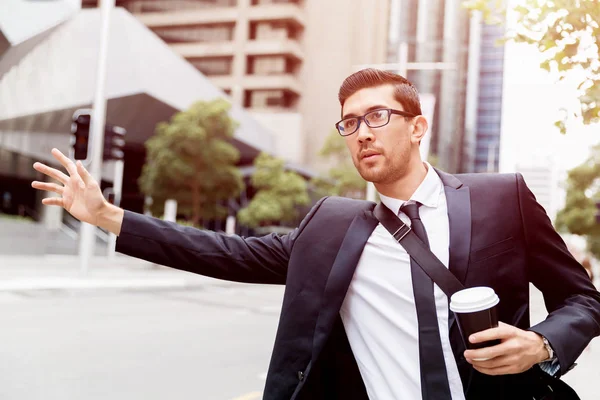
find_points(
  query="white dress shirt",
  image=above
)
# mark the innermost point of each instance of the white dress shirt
(379, 312)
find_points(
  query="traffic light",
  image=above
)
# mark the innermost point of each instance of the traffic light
(114, 142)
(114, 138)
(80, 129)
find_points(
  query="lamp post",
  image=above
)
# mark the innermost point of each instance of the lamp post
(87, 235)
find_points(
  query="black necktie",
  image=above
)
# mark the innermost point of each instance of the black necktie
(434, 379)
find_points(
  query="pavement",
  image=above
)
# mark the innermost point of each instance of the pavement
(59, 272)
(120, 273)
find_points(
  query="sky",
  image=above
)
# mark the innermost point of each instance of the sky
(40, 15)
(532, 102)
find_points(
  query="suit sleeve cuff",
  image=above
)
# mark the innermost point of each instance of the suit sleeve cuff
(551, 367)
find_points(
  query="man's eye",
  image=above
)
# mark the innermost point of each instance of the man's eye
(349, 124)
(377, 115)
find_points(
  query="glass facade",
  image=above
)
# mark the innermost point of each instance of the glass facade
(433, 34)
(489, 110)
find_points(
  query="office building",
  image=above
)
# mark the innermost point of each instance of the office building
(465, 128)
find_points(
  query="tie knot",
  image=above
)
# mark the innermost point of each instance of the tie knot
(411, 209)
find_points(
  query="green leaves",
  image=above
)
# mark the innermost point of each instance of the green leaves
(191, 160)
(342, 179)
(583, 191)
(280, 192)
(567, 33)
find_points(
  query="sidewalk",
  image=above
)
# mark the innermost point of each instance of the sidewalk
(55, 272)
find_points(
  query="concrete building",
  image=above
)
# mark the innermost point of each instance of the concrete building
(466, 120)
(281, 60)
(45, 78)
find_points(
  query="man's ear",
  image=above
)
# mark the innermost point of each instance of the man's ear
(420, 127)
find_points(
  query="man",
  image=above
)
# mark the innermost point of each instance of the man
(352, 322)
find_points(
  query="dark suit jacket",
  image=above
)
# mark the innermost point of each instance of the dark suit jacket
(499, 237)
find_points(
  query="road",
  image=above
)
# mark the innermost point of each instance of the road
(209, 343)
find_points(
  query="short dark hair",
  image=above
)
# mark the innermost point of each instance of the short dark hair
(405, 92)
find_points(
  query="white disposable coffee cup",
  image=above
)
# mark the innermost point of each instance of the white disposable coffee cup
(475, 310)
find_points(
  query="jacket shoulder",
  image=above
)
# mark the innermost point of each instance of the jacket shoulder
(348, 203)
(488, 178)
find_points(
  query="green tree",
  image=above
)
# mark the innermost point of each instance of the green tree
(342, 179)
(279, 193)
(583, 191)
(190, 159)
(567, 33)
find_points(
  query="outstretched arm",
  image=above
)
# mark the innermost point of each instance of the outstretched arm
(253, 260)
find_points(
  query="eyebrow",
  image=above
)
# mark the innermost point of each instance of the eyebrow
(375, 107)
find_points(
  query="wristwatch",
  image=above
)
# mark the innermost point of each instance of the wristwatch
(548, 348)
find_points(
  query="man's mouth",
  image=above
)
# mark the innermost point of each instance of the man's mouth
(368, 154)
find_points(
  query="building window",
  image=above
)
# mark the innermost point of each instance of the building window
(271, 65)
(210, 66)
(265, 99)
(273, 30)
(196, 33)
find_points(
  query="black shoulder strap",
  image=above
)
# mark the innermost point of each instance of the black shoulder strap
(415, 247)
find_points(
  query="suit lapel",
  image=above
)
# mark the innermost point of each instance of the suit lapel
(340, 276)
(458, 199)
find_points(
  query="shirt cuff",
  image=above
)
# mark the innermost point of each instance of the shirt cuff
(551, 367)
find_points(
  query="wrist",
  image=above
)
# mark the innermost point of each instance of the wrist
(548, 351)
(544, 352)
(110, 217)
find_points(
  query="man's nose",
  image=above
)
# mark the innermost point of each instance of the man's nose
(364, 133)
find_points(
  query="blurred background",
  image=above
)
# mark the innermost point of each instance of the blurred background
(249, 87)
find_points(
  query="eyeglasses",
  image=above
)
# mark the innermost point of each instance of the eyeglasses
(373, 119)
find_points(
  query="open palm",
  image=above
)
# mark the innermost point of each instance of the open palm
(79, 193)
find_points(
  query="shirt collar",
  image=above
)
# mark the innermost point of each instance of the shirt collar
(428, 193)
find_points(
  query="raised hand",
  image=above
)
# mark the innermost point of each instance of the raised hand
(79, 193)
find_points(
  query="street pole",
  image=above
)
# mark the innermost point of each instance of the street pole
(117, 189)
(87, 233)
(402, 67)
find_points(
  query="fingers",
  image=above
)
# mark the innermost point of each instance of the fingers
(502, 370)
(503, 331)
(53, 201)
(493, 363)
(83, 173)
(58, 175)
(49, 187)
(488, 353)
(65, 161)
(51, 172)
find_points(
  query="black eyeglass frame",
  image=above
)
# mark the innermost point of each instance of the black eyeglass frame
(362, 118)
